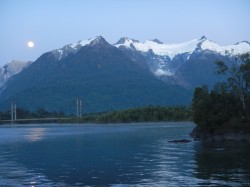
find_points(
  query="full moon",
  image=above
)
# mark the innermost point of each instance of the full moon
(30, 44)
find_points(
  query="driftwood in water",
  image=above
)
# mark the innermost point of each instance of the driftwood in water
(180, 141)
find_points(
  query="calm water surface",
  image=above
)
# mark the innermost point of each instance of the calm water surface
(117, 155)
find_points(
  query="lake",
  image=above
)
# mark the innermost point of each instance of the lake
(117, 155)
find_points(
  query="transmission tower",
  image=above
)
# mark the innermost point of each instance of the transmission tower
(13, 112)
(78, 107)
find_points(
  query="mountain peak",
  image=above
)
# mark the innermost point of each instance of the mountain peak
(203, 38)
(123, 40)
(98, 40)
(243, 42)
(75, 47)
(157, 41)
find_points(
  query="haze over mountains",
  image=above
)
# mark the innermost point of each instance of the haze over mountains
(10, 69)
(109, 77)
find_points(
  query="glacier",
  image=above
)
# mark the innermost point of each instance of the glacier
(163, 57)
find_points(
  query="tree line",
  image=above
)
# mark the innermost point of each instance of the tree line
(147, 114)
(142, 114)
(227, 106)
(26, 114)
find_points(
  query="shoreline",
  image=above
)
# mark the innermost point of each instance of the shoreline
(96, 123)
(220, 135)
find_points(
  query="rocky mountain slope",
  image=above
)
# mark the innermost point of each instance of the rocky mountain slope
(10, 69)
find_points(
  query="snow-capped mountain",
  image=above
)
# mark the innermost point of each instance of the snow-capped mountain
(165, 59)
(236, 49)
(103, 75)
(171, 50)
(73, 48)
(10, 69)
(129, 73)
(158, 48)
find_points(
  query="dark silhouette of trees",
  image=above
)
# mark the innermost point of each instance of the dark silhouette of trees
(150, 113)
(228, 104)
(238, 81)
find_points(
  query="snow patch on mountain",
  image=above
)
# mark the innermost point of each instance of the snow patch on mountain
(159, 48)
(161, 72)
(236, 49)
(165, 59)
(72, 48)
(171, 50)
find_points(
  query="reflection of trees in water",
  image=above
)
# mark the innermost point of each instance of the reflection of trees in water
(223, 163)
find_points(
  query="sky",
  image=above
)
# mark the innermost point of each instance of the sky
(51, 24)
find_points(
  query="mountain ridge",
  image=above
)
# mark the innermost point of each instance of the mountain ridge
(109, 77)
(209, 45)
(101, 74)
(161, 64)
